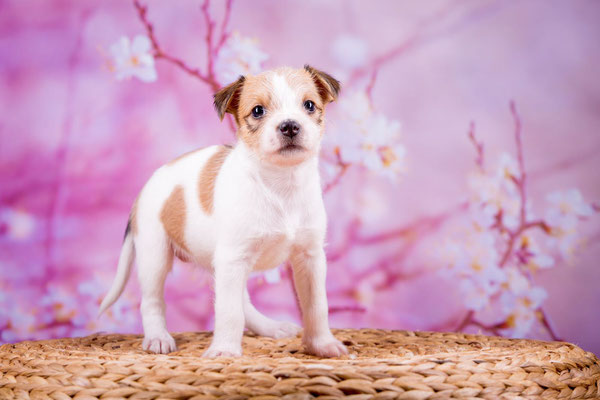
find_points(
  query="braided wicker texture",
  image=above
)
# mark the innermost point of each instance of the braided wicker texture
(381, 365)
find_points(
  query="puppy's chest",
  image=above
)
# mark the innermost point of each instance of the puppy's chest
(276, 242)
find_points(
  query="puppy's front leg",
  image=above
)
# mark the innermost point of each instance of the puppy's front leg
(310, 269)
(230, 282)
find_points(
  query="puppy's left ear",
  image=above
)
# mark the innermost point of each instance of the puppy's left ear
(327, 85)
(228, 98)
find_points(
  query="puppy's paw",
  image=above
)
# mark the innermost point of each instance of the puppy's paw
(280, 330)
(325, 347)
(215, 351)
(161, 344)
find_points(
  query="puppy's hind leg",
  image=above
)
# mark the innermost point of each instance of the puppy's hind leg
(265, 326)
(155, 259)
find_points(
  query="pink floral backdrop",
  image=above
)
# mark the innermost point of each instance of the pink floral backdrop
(460, 165)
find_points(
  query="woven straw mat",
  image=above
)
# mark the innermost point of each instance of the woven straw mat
(381, 365)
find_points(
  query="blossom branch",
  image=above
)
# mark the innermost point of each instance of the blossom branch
(548, 325)
(339, 309)
(466, 321)
(421, 35)
(212, 51)
(513, 235)
(478, 145)
(423, 224)
(521, 181)
(370, 85)
(343, 167)
(494, 329)
(403, 47)
(224, 24)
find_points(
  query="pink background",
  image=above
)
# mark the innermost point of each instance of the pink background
(76, 145)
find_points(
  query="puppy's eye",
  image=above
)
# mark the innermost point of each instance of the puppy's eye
(258, 111)
(309, 106)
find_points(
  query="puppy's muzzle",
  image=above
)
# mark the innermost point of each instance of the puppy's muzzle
(289, 128)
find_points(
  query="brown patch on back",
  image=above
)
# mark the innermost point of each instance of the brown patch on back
(184, 155)
(208, 176)
(173, 216)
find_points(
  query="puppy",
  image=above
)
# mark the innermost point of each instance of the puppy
(240, 209)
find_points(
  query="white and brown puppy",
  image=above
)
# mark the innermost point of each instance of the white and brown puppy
(241, 209)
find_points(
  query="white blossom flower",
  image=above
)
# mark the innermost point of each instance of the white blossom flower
(508, 171)
(368, 138)
(477, 258)
(520, 322)
(482, 215)
(356, 109)
(521, 303)
(566, 208)
(239, 56)
(474, 260)
(496, 194)
(476, 296)
(350, 51)
(133, 59)
(17, 323)
(515, 282)
(19, 224)
(534, 257)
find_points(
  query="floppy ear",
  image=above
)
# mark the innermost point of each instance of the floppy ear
(228, 98)
(328, 86)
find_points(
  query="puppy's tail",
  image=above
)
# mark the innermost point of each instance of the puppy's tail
(123, 272)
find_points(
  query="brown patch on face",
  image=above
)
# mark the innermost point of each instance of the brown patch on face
(173, 216)
(208, 176)
(256, 92)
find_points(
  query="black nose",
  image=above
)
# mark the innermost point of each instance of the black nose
(289, 128)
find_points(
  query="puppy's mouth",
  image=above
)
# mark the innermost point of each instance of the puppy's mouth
(290, 149)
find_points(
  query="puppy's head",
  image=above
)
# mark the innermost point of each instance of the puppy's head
(280, 113)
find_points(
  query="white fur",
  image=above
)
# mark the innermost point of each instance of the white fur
(266, 211)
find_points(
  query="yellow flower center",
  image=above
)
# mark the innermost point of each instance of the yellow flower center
(533, 267)
(388, 156)
(510, 321)
(477, 266)
(135, 61)
(565, 207)
(526, 302)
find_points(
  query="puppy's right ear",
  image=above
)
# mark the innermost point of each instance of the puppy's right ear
(227, 99)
